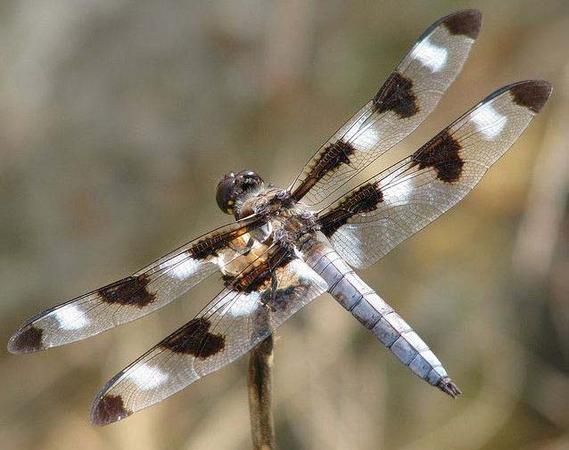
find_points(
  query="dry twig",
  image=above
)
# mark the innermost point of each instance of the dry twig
(260, 395)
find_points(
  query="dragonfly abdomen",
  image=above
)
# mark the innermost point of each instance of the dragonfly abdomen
(378, 317)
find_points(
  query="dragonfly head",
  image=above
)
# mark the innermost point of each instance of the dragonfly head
(233, 188)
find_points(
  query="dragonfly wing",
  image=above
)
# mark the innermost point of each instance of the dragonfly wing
(387, 209)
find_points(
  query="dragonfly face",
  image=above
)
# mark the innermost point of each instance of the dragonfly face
(234, 187)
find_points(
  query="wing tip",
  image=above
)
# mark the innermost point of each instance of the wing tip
(466, 22)
(449, 387)
(27, 339)
(108, 409)
(532, 94)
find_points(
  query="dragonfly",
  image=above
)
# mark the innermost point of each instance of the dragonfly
(288, 246)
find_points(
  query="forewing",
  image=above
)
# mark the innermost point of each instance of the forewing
(240, 317)
(392, 206)
(410, 93)
(135, 296)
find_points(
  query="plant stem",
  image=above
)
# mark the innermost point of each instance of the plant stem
(260, 384)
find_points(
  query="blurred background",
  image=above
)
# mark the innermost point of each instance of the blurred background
(117, 118)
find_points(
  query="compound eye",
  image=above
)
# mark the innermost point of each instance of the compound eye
(225, 195)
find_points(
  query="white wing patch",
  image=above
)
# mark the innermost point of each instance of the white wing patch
(488, 121)
(245, 305)
(399, 192)
(431, 56)
(181, 266)
(70, 317)
(147, 377)
(366, 138)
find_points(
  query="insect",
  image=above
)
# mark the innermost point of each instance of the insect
(288, 246)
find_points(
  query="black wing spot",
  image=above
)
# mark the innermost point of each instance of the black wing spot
(210, 245)
(130, 291)
(330, 158)
(397, 95)
(195, 339)
(26, 341)
(465, 23)
(109, 409)
(442, 154)
(365, 199)
(531, 95)
(334, 155)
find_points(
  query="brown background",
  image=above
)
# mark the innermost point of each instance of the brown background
(117, 118)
